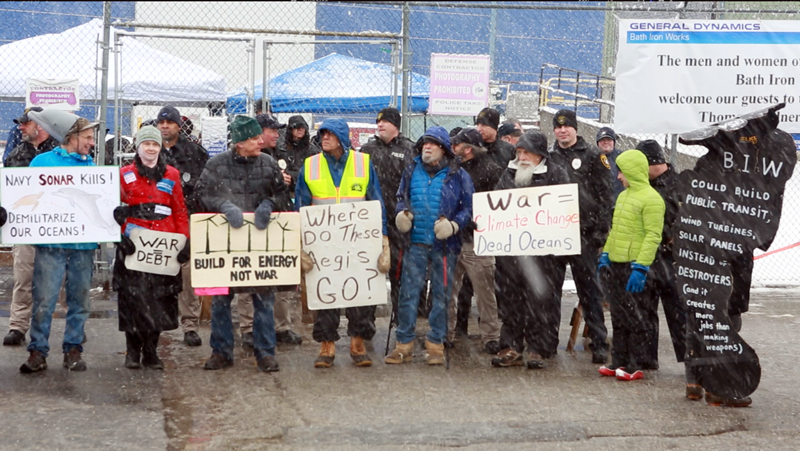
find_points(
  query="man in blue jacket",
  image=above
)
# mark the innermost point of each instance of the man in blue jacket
(434, 202)
(55, 261)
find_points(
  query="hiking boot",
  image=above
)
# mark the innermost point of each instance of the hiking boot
(624, 375)
(288, 337)
(36, 362)
(400, 354)
(600, 356)
(507, 357)
(247, 340)
(694, 392)
(267, 364)
(435, 353)
(132, 361)
(714, 400)
(492, 347)
(73, 360)
(327, 352)
(358, 352)
(535, 361)
(192, 339)
(13, 338)
(217, 362)
(609, 371)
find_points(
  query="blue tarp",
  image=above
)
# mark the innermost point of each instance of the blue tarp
(335, 84)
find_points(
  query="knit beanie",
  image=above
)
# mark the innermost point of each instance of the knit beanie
(565, 117)
(148, 133)
(244, 128)
(390, 115)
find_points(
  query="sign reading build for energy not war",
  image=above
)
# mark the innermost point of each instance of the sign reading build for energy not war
(528, 221)
(245, 257)
(344, 241)
(52, 205)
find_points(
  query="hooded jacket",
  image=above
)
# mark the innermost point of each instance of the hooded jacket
(293, 153)
(638, 215)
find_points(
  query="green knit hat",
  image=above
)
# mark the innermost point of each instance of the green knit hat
(244, 128)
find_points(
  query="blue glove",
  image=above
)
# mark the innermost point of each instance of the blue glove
(603, 263)
(232, 213)
(263, 213)
(638, 278)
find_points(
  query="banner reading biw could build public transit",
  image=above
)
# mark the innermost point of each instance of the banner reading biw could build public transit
(675, 76)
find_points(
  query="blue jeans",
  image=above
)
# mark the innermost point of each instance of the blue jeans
(415, 265)
(263, 325)
(49, 268)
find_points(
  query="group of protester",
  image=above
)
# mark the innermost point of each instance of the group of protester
(425, 190)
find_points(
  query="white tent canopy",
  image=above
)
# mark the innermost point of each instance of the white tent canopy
(148, 75)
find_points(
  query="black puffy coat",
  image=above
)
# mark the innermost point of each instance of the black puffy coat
(485, 173)
(501, 151)
(21, 156)
(189, 159)
(666, 185)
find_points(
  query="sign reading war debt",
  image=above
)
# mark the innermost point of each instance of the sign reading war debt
(222, 256)
(527, 221)
(344, 241)
(156, 252)
(52, 205)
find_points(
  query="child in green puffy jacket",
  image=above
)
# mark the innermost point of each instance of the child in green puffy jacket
(624, 264)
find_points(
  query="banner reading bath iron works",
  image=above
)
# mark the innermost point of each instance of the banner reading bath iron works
(245, 257)
(55, 205)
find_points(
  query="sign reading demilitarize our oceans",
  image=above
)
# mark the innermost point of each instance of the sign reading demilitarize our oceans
(459, 84)
(222, 256)
(344, 241)
(694, 73)
(51, 205)
(527, 221)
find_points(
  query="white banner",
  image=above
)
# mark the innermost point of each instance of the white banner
(52, 205)
(59, 94)
(543, 220)
(675, 76)
(245, 257)
(215, 134)
(344, 241)
(156, 252)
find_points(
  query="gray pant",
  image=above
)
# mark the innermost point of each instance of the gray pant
(188, 303)
(22, 299)
(281, 311)
(480, 271)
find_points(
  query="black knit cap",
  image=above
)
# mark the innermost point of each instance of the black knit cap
(169, 113)
(508, 130)
(605, 132)
(653, 151)
(565, 117)
(488, 116)
(389, 114)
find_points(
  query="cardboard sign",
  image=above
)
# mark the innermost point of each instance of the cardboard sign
(528, 221)
(344, 241)
(53, 205)
(59, 94)
(156, 252)
(245, 257)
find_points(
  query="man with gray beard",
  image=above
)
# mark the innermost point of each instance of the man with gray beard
(529, 285)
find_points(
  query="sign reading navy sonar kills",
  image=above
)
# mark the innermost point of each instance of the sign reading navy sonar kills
(732, 204)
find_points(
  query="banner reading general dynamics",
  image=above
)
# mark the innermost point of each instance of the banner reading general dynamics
(675, 76)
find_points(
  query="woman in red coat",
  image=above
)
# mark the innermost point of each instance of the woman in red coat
(148, 303)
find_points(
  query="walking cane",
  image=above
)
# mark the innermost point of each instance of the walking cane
(447, 299)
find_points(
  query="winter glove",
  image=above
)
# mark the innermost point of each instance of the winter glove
(444, 228)
(306, 263)
(3, 216)
(385, 260)
(404, 221)
(232, 213)
(183, 255)
(126, 245)
(603, 263)
(263, 213)
(121, 214)
(638, 278)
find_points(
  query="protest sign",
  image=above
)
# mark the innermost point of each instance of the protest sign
(59, 94)
(52, 205)
(156, 252)
(215, 134)
(459, 84)
(344, 241)
(674, 76)
(528, 221)
(222, 256)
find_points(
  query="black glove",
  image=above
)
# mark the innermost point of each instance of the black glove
(3, 216)
(232, 213)
(126, 245)
(263, 213)
(121, 214)
(183, 255)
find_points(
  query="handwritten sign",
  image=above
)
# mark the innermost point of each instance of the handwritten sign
(156, 252)
(245, 257)
(344, 241)
(53, 205)
(527, 221)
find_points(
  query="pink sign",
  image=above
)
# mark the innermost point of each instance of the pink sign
(61, 94)
(459, 84)
(48, 98)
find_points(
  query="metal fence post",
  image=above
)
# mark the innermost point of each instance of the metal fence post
(406, 68)
(101, 141)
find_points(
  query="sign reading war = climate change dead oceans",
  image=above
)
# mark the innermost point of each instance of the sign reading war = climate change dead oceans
(49, 205)
(528, 221)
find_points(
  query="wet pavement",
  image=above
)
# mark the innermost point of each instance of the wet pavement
(471, 406)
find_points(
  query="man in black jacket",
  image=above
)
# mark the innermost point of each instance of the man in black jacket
(390, 152)
(294, 146)
(35, 140)
(487, 122)
(587, 166)
(189, 159)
